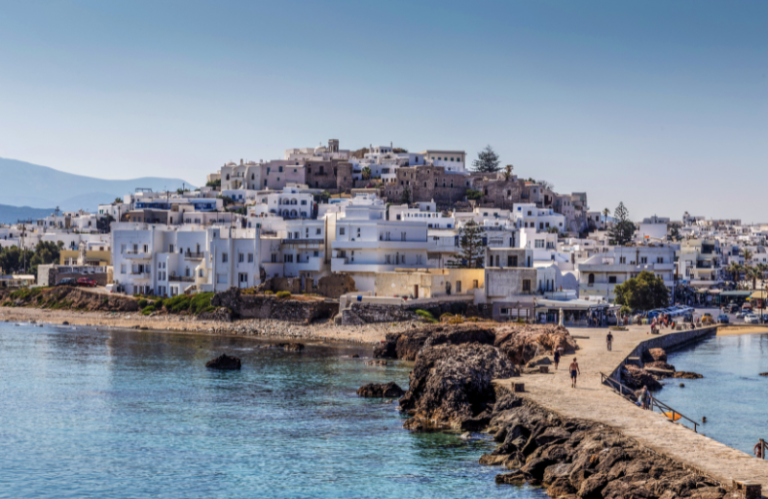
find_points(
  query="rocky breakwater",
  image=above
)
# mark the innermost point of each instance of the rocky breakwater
(68, 298)
(655, 368)
(300, 309)
(582, 459)
(451, 387)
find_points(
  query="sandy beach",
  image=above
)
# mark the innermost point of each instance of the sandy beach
(368, 334)
(747, 329)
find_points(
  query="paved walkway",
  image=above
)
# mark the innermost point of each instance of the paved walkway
(594, 401)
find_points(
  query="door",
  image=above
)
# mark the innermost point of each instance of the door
(415, 290)
(242, 280)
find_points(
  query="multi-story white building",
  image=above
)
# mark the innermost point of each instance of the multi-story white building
(168, 261)
(245, 176)
(366, 243)
(527, 215)
(599, 274)
(292, 201)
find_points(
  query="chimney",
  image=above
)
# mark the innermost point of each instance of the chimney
(241, 161)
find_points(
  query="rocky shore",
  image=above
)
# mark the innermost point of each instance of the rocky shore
(451, 387)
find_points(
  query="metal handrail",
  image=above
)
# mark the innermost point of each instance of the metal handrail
(619, 387)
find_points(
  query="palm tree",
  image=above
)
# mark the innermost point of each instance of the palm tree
(735, 270)
(747, 256)
(606, 212)
(753, 273)
(508, 172)
(366, 173)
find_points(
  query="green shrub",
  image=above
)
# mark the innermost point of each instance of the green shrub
(158, 304)
(425, 315)
(446, 316)
(177, 304)
(25, 293)
(269, 292)
(283, 294)
(200, 302)
(7, 303)
(143, 303)
(148, 310)
(456, 319)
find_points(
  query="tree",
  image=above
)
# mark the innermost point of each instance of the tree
(471, 250)
(103, 224)
(623, 230)
(216, 184)
(606, 212)
(735, 270)
(366, 173)
(674, 233)
(487, 161)
(323, 197)
(747, 256)
(508, 172)
(644, 292)
(754, 273)
(118, 201)
(547, 186)
(405, 197)
(473, 194)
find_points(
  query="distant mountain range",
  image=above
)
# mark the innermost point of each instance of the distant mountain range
(12, 214)
(26, 186)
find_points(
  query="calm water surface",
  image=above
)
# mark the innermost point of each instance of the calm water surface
(732, 395)
(95, 413)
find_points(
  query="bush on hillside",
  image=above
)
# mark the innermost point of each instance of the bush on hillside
(283, 294)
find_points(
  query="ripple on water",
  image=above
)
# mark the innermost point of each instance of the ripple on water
(121, 414)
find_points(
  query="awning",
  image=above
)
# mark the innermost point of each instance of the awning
(738, 294)
(570, 304)
(759, 295)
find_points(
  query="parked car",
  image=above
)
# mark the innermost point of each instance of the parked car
(723, 319)
(730, 308)
(707, 319)
(87, 282)
(752, 319)
(739, 314)
(67, 281)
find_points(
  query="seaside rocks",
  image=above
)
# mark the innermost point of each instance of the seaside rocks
(658, 354)
(636, 377)
(687, 375)
(65, 323)
(521, 343)
(407, 345)
(659, 364)
(380, 390)
(293, 347)
(450, 384)
(376, 362)
(224, 362)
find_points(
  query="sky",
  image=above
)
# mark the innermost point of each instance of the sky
(662, 105)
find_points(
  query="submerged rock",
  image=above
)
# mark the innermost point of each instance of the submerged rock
(225, 362)
(636, 377)
(293, 347)
(380, 390)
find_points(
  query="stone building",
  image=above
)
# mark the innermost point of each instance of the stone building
(497, 191)
(329, 174)
(427, 183)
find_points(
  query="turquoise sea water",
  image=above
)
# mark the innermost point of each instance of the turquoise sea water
(732, 395)
(97, 413)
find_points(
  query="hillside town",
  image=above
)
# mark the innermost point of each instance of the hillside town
(385, 225)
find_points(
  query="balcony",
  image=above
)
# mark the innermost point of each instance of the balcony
(180, 278)
(303, 242)
(144, 274)
(194, 255)
(313, 264)
(137, 255)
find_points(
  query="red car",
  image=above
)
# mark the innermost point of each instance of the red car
(85, 281)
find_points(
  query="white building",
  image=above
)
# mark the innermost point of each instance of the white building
(599, 275)
(528, 215)
(290, 202)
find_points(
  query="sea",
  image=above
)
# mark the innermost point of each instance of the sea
(732, 396)
(88, 412)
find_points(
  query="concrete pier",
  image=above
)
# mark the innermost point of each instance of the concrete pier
(592, 400)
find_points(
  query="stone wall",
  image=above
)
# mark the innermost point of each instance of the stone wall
(365, 313)
(335, 285)
(258, 306)
(497, 191)
(428, 183)
(331, 175)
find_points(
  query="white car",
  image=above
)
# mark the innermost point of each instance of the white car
(751, 319)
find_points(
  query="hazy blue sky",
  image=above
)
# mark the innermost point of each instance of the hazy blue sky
(663, 105)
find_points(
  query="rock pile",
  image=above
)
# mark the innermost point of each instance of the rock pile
(451, 384)
(380, 390)
(580, 459)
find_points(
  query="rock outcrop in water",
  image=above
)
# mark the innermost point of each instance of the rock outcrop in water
(224, 362)
(380, 390)
(451, 384)
(636, 377)
(581, 459)
(520, 343)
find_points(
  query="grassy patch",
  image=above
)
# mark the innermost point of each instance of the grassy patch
(283, 294)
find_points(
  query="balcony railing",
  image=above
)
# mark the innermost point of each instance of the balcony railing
(138, 254)
(194, 255)
(303, 241)
(180, 278)
(143, 273)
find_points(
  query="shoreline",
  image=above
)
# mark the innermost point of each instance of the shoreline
(736, 330)
(370, 334)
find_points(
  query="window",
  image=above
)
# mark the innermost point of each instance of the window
(660, 259)
(539, 243)
(201, 273)
(475, 284)
(611, 279)
(280, 169)
(274, 258)
(122, 268)
(288, 258)
(526, 285)
(643, 259)
(402, 236)
(388, 259)
(512, 261)
(240, 258)
(623, 259)
(341, 231)
(304, 202)
(418, 259)
(250, 257)
(224, 258)
(221, 279)
(317, 232)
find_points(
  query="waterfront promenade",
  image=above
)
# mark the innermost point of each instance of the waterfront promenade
(594, 401)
